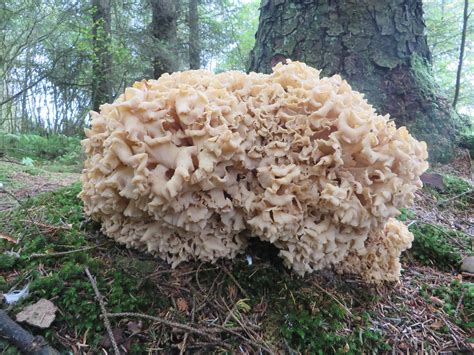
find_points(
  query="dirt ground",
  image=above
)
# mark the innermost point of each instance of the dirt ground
(20, 182)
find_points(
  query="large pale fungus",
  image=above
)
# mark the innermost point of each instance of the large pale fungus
(193, 164)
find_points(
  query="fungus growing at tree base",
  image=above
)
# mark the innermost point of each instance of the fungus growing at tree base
(193, 164)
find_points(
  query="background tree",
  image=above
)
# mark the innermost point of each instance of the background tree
(102, 59)
(444, 22)
(461, 52)
(164, 31)
(194, 41)
(380, 47)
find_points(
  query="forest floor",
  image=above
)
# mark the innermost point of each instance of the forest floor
(47, 246)
(26, 181)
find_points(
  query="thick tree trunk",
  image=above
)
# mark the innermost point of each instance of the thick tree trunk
(164, 31)
(194, 44)
(102, 61)
(379, 47)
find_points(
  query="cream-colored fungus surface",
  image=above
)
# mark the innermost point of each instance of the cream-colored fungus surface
(193, 164)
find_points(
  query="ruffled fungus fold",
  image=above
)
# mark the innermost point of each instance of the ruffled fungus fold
(193, 164)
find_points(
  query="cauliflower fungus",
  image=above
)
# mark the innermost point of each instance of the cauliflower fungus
(193, 164)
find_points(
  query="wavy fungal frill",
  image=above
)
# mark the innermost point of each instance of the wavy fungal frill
(192, 165)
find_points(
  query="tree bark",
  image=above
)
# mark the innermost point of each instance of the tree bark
(194, 40)
(164, 31)
(102, 60)
(461, 54)
(379, 47)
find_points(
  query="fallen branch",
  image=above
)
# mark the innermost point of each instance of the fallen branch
(235, 281)
(442, 202)
(23, 340)
(103, 311)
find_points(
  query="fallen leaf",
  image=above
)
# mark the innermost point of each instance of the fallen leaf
(8, 238)
(40, 314)
(437, 301)
(232, 292)
(118, 336)
(182, 304)
(134, 327)
(437, 324)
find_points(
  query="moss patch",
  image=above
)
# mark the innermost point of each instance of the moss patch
(438, 246)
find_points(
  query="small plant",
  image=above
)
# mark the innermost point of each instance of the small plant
(406, 214)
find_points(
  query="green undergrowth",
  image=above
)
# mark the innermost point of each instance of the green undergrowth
(297, 312)
(439, 246)
(62, 279)
(455, 188)
(457, 301)
(55, 152)
(308, 318)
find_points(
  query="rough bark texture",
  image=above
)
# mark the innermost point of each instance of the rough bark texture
(102, 61)
(163, 29)
(194, 40)
(379, 47)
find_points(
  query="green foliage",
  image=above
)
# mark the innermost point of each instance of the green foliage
(406, 214)
(439, 246)
(458, 301)
(444, 26)
(307, 318)
(453, 186)
(32, 149)
(65, 281)
(467, 141)
(323, 332)
(7, 261)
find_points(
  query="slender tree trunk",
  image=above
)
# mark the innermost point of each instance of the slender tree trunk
(461, 53)
(194, 40)
(378, 46)
(164, 31)
(102, 61)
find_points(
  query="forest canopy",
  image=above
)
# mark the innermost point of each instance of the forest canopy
(49, 57)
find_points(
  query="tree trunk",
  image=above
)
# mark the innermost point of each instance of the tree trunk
(102, 60)
(461, 53)
(164, 31)
(194, 44)
(379, 47)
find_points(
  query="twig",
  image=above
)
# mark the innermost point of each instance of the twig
(454, 197)
(235, 281)
(170, 324)
(183, 345)
(459, 303)
(61, 253)
(104, 311)
(334, 298)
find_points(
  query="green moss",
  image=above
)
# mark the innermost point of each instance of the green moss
(467, 141)
(63, 279)
(453, 186)
(406, 214)
(457, 301)
(439, 246)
